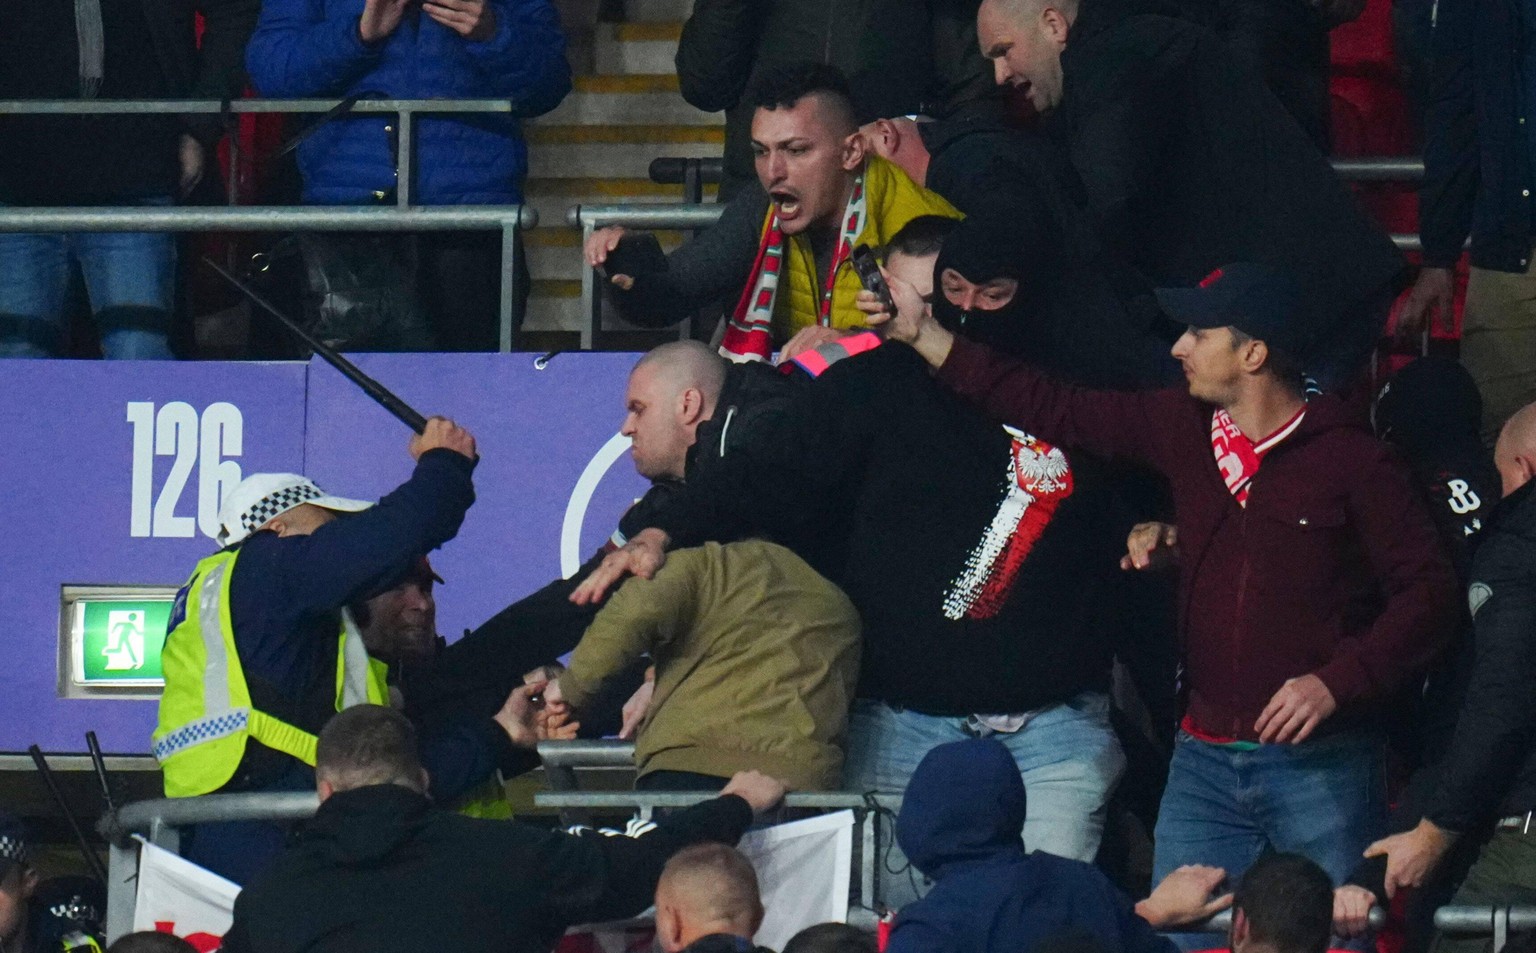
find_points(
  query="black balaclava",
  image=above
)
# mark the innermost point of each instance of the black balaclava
(982, 249)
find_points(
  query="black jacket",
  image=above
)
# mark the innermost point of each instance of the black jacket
(1189, 163)
(914, 53)
(380, 869)
(1477, 162)
(151, 52)
(887, 485)
(1490, 769)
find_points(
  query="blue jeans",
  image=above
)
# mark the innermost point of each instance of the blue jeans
(129, 276)
(1323, 799)
(1067, 754)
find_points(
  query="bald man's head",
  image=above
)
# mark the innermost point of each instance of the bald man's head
(1515, 453)
(1024, 39)
(706, 889)
(672, 390)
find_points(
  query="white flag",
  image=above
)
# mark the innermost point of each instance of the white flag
(177, 896)
(803, 869)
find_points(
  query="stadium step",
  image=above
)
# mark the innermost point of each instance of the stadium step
(626, 48)
(627, 100)
(597, 147)
(657, 11)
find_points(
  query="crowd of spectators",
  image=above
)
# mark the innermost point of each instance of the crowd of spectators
(1098, 444)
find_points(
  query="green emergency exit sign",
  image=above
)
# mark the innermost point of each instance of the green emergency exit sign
(115, 641)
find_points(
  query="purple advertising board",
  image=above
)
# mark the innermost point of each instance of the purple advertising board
(115, 472)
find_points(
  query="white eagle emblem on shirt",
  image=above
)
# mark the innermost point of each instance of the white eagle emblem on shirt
(1041, 473)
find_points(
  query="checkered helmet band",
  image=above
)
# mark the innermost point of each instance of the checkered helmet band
(280, 502)
(13, 848)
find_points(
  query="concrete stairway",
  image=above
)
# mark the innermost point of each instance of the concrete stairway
(597, 148)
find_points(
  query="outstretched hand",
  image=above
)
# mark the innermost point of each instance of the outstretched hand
(1413, 855)
(642, 556)
(756, 788)
(1185, 896)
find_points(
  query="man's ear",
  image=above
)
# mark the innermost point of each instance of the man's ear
(854, 152)
(1241, 930)
(1255, 354)
(325, 789)
(1056, 25)
(690, 405)
(669, 927)
(30, 878)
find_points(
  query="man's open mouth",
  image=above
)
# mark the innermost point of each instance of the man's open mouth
(787, 203)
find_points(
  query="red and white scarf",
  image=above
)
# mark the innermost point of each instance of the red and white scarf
(749, 333)
(1040, 477)
(1237, 457)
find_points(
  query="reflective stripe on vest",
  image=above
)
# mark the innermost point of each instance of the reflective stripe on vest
(206, 713)
(815, 363)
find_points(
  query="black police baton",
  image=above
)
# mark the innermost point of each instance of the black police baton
(381, 394)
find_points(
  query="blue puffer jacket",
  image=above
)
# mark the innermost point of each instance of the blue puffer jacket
(311, 48)
(960, 825)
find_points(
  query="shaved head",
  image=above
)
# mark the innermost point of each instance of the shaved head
(706, 889)
(672, 390)
(1515, 453)
(684, 364)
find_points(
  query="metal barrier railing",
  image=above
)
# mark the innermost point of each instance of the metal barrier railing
(401, 216)
(694, 173)
(1495, 921)
(157, 821)
(589, 218)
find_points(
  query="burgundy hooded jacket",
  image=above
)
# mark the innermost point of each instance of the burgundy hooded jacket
(1333, 568)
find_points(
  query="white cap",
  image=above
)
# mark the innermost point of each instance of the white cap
(262, 496)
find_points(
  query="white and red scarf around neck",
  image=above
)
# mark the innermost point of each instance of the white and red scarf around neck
(1237, 457)
(749, 333)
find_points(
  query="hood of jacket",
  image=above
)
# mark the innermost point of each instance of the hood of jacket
(365, 825)
(964, 805)
(1516, 513)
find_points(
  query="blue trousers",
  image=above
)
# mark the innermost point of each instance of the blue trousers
(1324, 799)
(1068, 757)
(129, 277)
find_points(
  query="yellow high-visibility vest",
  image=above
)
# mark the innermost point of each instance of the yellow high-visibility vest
(206, 714)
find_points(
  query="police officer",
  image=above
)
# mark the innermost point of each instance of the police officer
(44, 916)
(261, 649)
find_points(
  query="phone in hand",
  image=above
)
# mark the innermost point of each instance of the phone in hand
(868, 270)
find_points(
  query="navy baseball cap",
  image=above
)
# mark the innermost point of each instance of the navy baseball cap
(13, 842)
(1262, 301)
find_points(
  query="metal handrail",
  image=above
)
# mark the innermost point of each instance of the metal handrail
(507, 219)
(266, 218)
(1483, 920)
(185, 107)
(149, 817)
(587, 753)
(644, 216)
(647, 801)
(366, 218)
(687, 171)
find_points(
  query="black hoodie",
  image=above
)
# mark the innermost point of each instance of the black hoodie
(379, 869)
